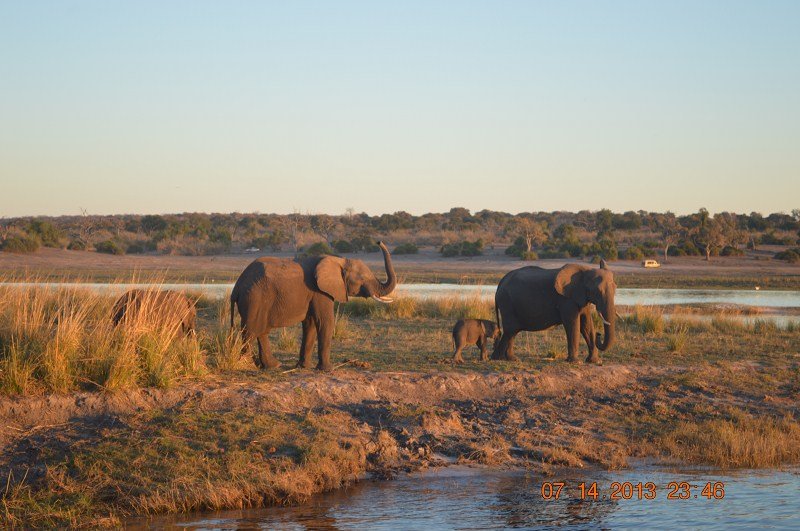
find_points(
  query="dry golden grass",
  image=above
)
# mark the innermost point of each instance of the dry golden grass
(60, 340)
(741, 442)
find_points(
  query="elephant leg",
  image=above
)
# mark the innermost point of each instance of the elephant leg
(572, 328)
(587, 331)
(268, 361)
(307, 344)
(482, 345)
(457, 354)
(247, 348)
(504, 349)
(324, 337)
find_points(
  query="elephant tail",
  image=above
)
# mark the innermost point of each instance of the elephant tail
(497, 318)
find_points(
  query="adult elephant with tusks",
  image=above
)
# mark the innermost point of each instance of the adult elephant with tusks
(532, 299)
(278, 292)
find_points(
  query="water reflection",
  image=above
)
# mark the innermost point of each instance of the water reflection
(463, 498)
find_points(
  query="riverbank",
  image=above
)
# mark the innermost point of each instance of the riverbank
(428, 266)
(246, 439)
(100, 423)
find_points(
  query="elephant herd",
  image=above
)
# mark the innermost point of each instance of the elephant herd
(276, 292)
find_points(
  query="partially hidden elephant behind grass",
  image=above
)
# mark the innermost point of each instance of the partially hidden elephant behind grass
(155, 307)
(473, 332)
(278, 292)
(532, 298)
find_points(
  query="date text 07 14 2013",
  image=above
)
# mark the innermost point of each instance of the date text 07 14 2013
(675, 490)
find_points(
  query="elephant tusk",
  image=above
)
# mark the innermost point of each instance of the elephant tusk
(603, 318)
(384, 300)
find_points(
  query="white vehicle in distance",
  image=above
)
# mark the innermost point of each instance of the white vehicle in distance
(650, 263)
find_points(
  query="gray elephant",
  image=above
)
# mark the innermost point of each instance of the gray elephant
(164, 307)
(532, 299)
(473, 332)
(275, 292)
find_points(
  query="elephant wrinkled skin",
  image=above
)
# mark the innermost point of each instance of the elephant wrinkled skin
(532, 299)
(276, 292)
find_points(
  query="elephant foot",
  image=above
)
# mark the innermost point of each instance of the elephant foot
(572, 359)
(594, 359)
(326, 367)
(458, 360)
(270, 364)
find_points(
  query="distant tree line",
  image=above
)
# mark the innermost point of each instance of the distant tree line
(529, 235)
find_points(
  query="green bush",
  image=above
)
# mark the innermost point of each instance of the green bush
(553, 253)
(517, 248)
(730, 250)
(790, 255)
(365, 244)
(634, 253)
(46, 232)
(406, 248)
(529, 255)
(450, 249)
(770, 238)
(318, 249)
(77, 245)
(608, 249)
(343, 246)
(20, 244)
(109, 247)
(135, 248)
(464, 248)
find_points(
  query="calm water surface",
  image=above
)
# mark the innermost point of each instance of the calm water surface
(464, 498)
(625, 296)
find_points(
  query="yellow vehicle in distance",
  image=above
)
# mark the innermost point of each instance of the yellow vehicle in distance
(650, 263)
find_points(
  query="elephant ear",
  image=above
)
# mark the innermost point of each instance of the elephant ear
(569, 283)
(330, 278)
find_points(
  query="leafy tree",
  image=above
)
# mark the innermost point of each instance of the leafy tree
(151, 224)
(671, 231)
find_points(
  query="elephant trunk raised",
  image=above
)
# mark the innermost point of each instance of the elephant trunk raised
(385, 288)
(609, 315)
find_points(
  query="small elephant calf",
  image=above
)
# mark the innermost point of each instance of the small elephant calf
(473, 332)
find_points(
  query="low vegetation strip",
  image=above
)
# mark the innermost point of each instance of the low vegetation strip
(93, 458)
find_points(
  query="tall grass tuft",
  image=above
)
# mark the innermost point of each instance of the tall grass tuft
(765, 326)
(722, 323)
(645, 320)
(448, 307)
(60, 340)
(226, 348)
(679, 334)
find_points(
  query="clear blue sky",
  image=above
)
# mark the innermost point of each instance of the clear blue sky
(156, 107)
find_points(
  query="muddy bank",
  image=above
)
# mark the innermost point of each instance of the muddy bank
(255, 440)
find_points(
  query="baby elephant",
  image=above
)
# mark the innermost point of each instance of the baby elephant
(473, 332)
(163, 307)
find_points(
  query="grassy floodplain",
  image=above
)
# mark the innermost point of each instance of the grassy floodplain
(101, 422)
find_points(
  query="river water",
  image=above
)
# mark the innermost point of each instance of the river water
(625, 296)
(477, 498)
